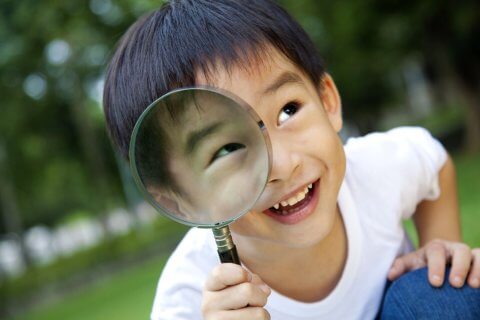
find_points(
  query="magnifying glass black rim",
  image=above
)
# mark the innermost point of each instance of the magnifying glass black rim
(138, 179)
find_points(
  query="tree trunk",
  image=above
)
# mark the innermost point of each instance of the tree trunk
(472, 117)
(466, 95)
(9, 207)
(92, 152)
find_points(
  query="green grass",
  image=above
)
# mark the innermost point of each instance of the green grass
(468, 174)
(125, 296)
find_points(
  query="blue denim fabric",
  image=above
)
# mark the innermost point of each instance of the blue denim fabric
(412, 297)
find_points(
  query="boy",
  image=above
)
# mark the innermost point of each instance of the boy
(326, 252)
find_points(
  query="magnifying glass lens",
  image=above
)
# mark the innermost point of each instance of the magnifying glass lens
(200, 156)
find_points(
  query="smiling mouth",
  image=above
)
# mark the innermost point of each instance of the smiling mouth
(295, 203)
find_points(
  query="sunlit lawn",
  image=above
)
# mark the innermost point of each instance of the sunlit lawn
(129, 295)
(125, 296)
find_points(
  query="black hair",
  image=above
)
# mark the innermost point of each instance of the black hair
(154, 143)
(166, 49)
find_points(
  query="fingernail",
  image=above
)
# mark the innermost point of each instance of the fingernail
(436, 279)
(458, 281)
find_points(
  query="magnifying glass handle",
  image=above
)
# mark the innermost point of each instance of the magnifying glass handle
(225, 246)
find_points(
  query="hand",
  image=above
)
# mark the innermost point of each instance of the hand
(232, 292)
(436, 254)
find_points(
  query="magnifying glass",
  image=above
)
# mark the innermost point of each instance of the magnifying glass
(201, 157)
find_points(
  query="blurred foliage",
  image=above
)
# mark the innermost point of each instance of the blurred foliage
(55, 158)
(55, 152)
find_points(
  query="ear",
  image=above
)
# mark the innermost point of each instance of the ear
(331, 101)
(161, 197)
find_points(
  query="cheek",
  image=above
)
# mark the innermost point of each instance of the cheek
(319, 136)
(327, 148)
(245, 226)
(240, 225)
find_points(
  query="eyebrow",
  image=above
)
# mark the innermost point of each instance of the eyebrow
(284, 78)
(194, 138)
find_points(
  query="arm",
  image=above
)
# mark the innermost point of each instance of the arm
(440, 219)
(438, 227)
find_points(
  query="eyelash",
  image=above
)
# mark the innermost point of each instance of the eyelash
(296, 106)
(229, 148)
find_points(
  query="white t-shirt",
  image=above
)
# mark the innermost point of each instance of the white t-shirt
(387, 175)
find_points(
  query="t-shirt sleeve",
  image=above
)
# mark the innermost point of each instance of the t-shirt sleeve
(392, 172)
(179, 291)
(422, 157)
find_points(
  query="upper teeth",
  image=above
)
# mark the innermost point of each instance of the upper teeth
(295, 199)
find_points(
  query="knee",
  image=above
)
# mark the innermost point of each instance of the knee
(412, 297)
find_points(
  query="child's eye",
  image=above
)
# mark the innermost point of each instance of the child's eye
(261, 125)
(287, 111)
(226, 150)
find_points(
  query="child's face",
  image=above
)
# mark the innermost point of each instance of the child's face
(302, 120)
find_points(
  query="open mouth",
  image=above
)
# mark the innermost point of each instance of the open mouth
(296, 207)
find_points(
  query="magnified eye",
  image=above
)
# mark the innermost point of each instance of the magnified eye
(287, 111)
(261, 125)
(226, 150)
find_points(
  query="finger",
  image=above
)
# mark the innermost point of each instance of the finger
(461, 262)
(238, 296)
(254, 313)
(397, 269)
(474, 276)
(259, 282)
(437, 259)
(225, 275)
(408, 262)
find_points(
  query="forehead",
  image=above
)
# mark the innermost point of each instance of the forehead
(252, 81)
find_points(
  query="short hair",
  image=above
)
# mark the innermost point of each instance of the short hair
(166, 49)
(154, 143)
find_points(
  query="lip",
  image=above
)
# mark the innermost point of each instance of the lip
(303, 212)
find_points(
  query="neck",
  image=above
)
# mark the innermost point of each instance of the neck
(306, 274)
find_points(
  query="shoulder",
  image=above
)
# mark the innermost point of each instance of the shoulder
(392, 140)
(179, 289)
(197, 243)
(399, 148)
(193, 258)
(394, 171)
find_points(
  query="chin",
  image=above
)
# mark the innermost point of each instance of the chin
(312, 234)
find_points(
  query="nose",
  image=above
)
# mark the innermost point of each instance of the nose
(285, 161)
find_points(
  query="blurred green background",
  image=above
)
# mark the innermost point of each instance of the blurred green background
(77, 241)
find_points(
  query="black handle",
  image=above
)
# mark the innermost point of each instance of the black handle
(225, 247)
(229, 256)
